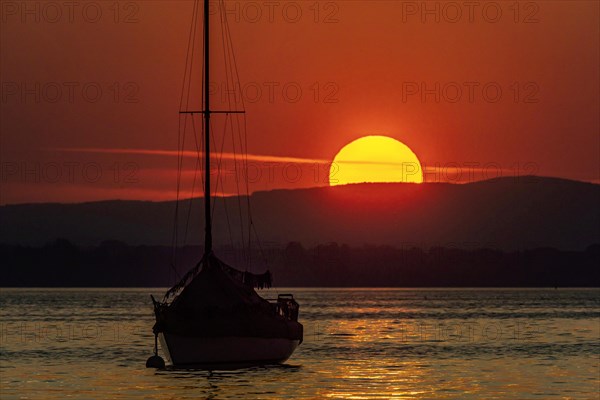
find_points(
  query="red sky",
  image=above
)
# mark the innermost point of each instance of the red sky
(368, 58)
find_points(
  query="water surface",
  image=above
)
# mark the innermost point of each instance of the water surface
(358, 344)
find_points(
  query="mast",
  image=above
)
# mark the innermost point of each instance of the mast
(207, 216)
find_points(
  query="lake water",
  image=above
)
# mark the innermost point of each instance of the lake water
(358, 344)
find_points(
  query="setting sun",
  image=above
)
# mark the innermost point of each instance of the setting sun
(375, 159)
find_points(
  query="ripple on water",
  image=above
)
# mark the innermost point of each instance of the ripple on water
(359, 343)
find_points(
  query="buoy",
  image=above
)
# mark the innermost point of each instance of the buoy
(155, 361)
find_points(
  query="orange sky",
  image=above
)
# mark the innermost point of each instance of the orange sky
(369, 59)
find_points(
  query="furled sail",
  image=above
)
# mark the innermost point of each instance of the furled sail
(258, 281)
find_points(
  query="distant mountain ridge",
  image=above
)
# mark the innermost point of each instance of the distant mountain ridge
(504, 213)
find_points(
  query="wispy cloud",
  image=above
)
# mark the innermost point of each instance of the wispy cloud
(194, 154)
(224, 155)
(431, 173)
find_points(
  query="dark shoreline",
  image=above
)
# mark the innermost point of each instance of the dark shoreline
(114, 264)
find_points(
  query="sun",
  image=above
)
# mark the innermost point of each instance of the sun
(375, 159)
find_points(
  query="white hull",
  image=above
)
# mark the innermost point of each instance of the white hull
(225, 352)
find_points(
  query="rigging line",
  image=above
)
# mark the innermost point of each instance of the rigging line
(181, 139)
(187, 56)
(202, 144)
(194, 132)
(176, 211)
(218, 160)
(175, 239)
(190, 50)
(182, 148)
(229, 73)
(190, 59)
(191, 201)
(260, 247)
(235, 69)
(244, 144)
(219, 163)
(250, 221)
(237, 181)
(189, 88)
(202, 155)
(231, 88)
(220, 179)
(196, 168)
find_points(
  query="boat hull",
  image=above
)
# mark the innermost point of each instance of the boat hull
(225, 352)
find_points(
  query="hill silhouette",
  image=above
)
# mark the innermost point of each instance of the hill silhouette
(505, 213)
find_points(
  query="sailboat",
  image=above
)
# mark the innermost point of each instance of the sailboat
(213, 317)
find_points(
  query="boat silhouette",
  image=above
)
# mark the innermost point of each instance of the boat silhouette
(213, 317)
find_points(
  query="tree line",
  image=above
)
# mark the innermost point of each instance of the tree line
(116, 264)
